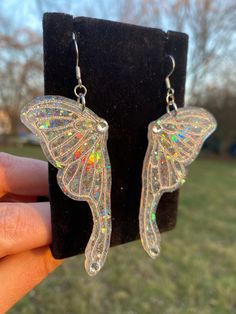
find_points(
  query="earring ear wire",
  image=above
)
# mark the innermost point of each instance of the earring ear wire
(167, 79)
(80, 90)
(74, 140)
(174, 141)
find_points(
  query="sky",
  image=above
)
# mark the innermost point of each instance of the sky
(28, 13)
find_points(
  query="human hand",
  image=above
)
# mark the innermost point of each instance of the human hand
(25, 228)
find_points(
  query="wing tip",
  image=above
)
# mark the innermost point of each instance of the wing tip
(92, 267)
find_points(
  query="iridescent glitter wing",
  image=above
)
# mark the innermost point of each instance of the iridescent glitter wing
(175, 141)
(75, 142)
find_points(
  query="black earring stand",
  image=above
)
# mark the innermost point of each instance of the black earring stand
(124, 67)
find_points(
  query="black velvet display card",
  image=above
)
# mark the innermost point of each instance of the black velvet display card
(123, 67)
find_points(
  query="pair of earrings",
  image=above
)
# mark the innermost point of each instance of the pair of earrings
(74, 140)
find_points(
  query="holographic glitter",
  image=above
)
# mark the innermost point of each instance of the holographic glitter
(174, 141)
(75, 142)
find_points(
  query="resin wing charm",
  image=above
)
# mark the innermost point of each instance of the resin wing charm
(175, 141)
(75, 141)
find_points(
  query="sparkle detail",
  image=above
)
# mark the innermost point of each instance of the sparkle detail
(58, 164)
(72, 142)
(168, 154)
(153, 217)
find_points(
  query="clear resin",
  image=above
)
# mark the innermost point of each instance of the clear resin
(174, 141)
(75, 141)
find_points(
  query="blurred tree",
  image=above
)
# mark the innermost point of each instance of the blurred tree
(140, 12)
(211, 25)
(222, 103)
(20, 68)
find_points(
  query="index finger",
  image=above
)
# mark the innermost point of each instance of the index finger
(21, 272)
(23, 176)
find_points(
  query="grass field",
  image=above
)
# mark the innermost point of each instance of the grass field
(196, 272)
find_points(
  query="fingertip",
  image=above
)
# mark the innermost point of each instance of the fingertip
(21, 272)
(23, 176)
(24, 226)
(49, 263)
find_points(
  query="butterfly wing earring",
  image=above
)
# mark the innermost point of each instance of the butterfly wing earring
(74, 140)
(174, 141)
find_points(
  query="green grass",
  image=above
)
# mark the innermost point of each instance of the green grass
(24, 151)
(196, 272)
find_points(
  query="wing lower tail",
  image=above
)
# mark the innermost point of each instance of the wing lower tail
(149, 232)
(99, 242)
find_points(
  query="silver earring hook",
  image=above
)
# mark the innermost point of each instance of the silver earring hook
(170, 98)
(80, 90)
(77, 68)
(167, 79)
(76, 49)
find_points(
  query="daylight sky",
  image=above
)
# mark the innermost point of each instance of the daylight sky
(28, 13)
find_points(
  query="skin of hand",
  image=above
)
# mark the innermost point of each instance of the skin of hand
(25, 228)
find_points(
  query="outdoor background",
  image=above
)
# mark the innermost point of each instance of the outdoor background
(196, 272)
